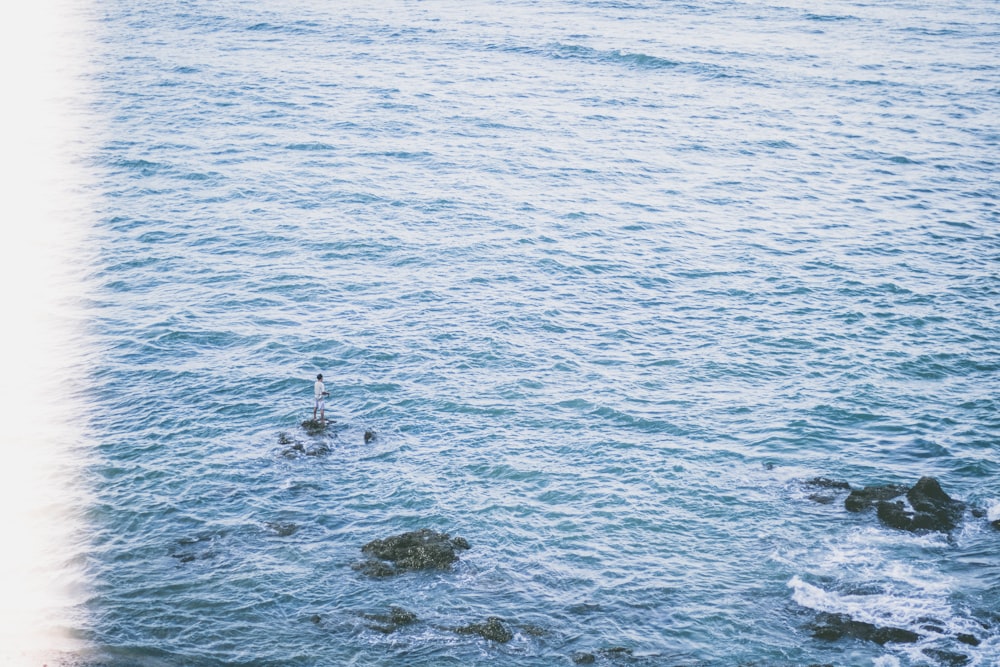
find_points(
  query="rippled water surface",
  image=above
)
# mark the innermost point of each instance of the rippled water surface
(609, 280)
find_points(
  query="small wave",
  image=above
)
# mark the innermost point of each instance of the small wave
(636, 60)
(830, 17)
(310, 146)
(878, 605)
(145, 167)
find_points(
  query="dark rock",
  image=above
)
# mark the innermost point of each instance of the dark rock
(493, 629)
(995, 524)
(928, 497)
(584, 608)
(978, 512)
(369, 436)
(584, 658)
(394, 620)
(418, 550)
(822, 498)
(971, 640)
(947, 657)
(863, 499)
(930, 508)
(316, 619)
(832, 627)
(926, 506)
(283, 439)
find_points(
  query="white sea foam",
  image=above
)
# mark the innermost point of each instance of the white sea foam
(889, 607)
(993, 511)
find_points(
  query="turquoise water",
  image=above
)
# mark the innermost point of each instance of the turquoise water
(609, 280)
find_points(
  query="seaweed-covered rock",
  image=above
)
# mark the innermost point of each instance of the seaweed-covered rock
(584, 658)
(394, 620)
(836, 626)
(417, 550)
(492, 629)
(314, 426)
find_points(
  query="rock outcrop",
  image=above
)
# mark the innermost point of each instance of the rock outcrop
(418, 550)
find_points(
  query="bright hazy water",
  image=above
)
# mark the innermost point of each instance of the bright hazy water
(609, 279)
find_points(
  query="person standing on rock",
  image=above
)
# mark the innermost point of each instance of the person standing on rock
(320, 393)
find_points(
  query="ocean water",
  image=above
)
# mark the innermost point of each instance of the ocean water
(610, 281)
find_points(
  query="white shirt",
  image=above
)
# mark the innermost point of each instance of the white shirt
(319, 389)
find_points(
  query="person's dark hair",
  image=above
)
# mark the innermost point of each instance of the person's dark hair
(319, 377)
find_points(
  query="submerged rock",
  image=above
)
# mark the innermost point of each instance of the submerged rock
(296, 448)
(825, 483)
(926, 506)
(369, 436)
(422, 549)
(281, 528)
(836, 626)
(827, 489)
(492, 629)
(971, 640)
(394, 620)
(294, 451)
(947, 657)
(614, 654)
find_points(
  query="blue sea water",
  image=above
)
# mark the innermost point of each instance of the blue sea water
(610, 280)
